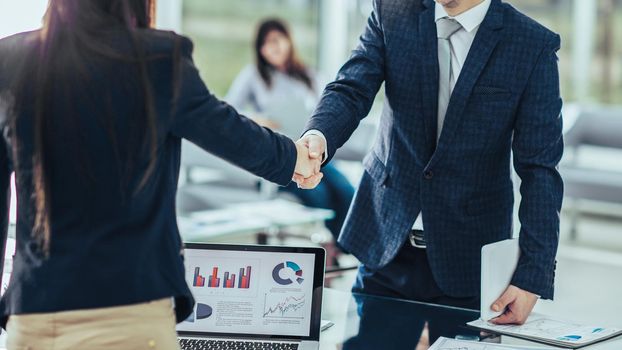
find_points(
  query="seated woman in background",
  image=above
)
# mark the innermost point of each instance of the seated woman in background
(280, 93)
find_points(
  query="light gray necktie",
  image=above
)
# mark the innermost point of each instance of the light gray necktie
(445, 28)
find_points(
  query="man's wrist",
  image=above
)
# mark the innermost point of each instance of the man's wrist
(527, 291)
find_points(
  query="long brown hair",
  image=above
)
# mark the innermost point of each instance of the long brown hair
(294, 67)
(69, 39)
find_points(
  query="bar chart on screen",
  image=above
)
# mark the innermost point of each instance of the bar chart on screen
(231, 280)
(228, 277)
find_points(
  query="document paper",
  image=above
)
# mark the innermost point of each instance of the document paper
(499, 262)
(547, 330)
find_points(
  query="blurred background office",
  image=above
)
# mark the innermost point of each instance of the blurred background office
(219, 203)
(279, 92)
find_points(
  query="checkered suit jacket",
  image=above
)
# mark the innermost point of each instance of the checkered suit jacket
(506, 101)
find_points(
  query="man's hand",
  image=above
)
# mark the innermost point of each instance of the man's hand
(314, 147)
(517, 303)
(307, 168)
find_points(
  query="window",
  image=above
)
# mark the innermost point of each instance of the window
(605, 67)
(19, 16)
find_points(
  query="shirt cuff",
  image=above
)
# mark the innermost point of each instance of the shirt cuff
(320, 134)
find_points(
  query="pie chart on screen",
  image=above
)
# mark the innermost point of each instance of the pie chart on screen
(288, 265)
(202, 311)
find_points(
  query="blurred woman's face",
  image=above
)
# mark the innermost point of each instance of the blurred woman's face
(276, 49)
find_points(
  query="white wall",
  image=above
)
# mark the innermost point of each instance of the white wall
(333, 40)
(169, 15)
(585, 15)
(20, 15)
(23, 15)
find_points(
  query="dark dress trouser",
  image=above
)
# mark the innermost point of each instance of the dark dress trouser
(409, 277)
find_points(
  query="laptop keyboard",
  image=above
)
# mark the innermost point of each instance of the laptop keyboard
(206, 344)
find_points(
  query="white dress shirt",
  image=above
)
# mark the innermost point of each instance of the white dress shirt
(461, 41)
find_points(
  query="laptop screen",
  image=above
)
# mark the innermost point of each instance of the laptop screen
(245, 292)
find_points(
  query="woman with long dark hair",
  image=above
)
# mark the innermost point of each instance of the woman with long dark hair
(94, 107)
(280, 93)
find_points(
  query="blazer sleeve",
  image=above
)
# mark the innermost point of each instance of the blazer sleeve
(5, 162)
(538, 148)
(218, 128)
(348, 99)
(5, 198)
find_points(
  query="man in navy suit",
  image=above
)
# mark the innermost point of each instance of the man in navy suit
(468, 83)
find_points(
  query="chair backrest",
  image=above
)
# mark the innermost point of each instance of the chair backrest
(359, 144)
(193, 156)
(597, 126)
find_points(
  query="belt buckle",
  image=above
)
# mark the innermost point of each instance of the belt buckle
(414, 243)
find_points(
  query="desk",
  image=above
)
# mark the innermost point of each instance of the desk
(259, 218)
(377, 323)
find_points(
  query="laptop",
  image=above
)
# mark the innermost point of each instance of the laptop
(253, 297)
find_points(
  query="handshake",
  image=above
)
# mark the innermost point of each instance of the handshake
(310, 150)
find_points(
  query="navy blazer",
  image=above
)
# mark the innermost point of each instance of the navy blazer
(110, 246)
(505, 101)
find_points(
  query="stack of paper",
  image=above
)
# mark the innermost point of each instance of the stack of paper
(453, 344)
(547, 330)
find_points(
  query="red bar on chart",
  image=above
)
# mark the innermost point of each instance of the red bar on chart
(198, 281)
(248, 277)
(229, 280)
(214, 281)
(244, 278)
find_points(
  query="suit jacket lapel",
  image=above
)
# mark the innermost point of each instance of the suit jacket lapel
(429, 48)
(485, 41)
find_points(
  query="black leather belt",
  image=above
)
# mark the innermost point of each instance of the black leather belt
(417, 239)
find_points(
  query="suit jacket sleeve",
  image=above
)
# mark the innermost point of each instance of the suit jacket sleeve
(537, 148)
(349, 98)
(217, 128)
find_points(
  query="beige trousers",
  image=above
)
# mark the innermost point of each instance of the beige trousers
(145, 326)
